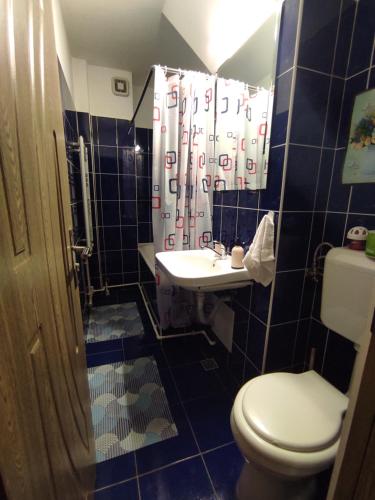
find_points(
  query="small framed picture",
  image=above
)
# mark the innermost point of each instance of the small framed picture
(359, 164)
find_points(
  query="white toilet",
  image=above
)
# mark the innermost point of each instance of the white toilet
(287, 425)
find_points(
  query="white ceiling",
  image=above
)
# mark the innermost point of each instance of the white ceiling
(130, 34)
(134, 34)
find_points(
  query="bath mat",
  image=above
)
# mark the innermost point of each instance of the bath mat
(129, 408)
(113, 322)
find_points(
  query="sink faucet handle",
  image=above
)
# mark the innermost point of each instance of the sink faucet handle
(218, 247)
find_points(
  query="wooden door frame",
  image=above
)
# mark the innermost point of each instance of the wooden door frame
(358, 426)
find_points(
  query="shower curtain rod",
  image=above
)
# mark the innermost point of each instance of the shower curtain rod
(170, 70)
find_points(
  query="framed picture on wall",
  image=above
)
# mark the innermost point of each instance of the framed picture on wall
(359, 164)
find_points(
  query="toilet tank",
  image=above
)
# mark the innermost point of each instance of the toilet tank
(348, 298)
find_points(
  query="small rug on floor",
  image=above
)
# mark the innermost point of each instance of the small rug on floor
(113, 322)
(129, 408)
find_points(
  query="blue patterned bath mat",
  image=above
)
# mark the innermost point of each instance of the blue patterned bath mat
(129, 408)
(113, 322)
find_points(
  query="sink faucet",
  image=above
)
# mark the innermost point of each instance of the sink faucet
(218, 249)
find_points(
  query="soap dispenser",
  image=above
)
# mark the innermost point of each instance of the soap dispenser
(237, 255)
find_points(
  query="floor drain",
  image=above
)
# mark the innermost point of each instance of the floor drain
(209, 364)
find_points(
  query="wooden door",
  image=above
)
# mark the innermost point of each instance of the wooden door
(354, 471)
(46, 448)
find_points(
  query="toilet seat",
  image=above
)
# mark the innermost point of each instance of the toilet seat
(299, 413)
(293, 463)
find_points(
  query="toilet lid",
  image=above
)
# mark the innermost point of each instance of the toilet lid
(295, 412)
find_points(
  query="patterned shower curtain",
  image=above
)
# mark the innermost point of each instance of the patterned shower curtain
(182, 174)
(243, 125)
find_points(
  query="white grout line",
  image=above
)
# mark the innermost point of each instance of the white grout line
(137, 475)
(310, 145)
(330, 75)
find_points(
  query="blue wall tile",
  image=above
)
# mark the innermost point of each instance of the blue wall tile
(294, 240)
(141, 139)
(113, 261)
(353, 86)
(302, 336)
(246, 225)
(344, 38)
(334, 229)
(107, 131)
(301, 178)
(281, 109)
(363, 198)
(112, 237)
(361, 50)
(240, 326)
(255, 341)
(109, 186)
(360, 220)
(108, 160)
(310, 104)
(248, 198)
(126, 160)
(280, 346)
(110, 211)
(333, 114)
(287, 296)
(260, 301)
(125, 133)
(316, 234)
(339, 361)
(287, 36)
(128, 211)
(83, 120)
(228, 226)
(317, 340)
(339, 194)
(127, 187)
(230, 198)
(130, 261)
(324, 180)
(318, 34)
(270, 197)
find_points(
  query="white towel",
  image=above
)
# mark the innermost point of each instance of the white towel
(260, 259)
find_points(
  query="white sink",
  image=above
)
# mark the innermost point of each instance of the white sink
(201, 270)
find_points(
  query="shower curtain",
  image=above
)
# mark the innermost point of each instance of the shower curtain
(182, 174)
(243, 126)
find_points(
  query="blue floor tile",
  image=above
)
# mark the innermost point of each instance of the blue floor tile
(124, 491)
(184, 351)
(115, 470)
(194, 382)
(170, 450)
(104, 358)
(224, 466)
(210, 419)
(184, 481)
(134, 348)
(169, 387)
(105, 345)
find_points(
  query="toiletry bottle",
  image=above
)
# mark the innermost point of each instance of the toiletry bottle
(237, 255)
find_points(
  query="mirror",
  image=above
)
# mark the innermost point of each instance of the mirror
(98, 42)
(244, 96)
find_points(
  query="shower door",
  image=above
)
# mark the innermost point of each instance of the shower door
(46, 447)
